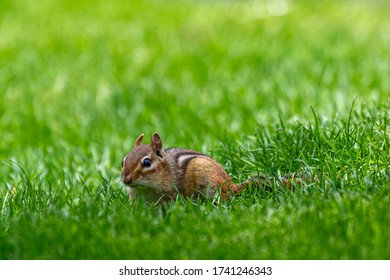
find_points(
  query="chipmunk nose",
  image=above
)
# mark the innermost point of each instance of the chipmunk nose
(127, 180)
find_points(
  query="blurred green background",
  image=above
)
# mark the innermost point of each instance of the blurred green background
(87, 72)
(80, 80)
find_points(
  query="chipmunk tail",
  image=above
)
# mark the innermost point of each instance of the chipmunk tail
(290, 181)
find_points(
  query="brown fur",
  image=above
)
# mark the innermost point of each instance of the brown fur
(183, 171)
(173, 171)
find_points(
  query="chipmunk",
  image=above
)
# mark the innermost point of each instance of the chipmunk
(159, 175)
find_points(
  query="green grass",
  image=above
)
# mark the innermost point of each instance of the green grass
(304, 91)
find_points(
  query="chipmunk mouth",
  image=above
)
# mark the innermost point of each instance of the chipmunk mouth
(138, 182)
(131, 183)
(134, 185)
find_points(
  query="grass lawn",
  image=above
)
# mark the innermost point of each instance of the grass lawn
(262, 86)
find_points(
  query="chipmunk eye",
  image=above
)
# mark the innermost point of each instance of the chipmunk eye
(146, 162)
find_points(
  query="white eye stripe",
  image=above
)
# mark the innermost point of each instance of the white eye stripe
(148, 156)
(142, 159)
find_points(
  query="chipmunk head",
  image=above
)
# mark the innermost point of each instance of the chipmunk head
(145, 164)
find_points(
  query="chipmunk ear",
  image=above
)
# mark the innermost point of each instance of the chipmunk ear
(156, 145)
(138, 141)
